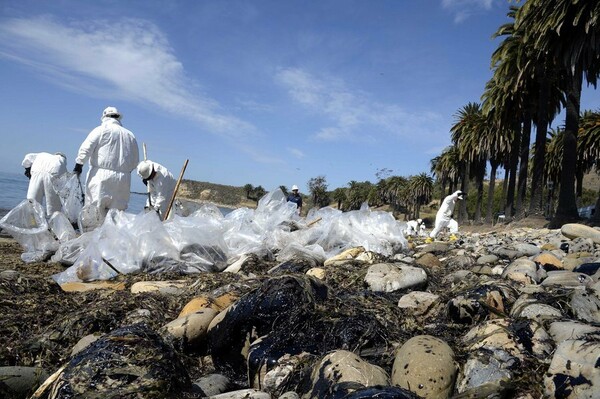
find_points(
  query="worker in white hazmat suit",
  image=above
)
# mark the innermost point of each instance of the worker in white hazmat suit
(113, 153)
(41, 168)
(161, 184)
(413, 227)
(443, 218)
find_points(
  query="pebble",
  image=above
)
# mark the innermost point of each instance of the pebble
(485, 259)
(429, 260)
(387, 277)
(193, 327)
(343, 366)
(418, 303)
(425, 365)
(573, 371)
(576, 230)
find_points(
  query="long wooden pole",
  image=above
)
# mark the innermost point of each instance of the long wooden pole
(176, 188)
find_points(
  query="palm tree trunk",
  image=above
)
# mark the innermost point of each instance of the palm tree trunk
(504, 187)
(537, 174)
(566, 211)
(579, 186)
(480, 177)
(489, 218)
(523, 167)
(512, 180)
(463, 215)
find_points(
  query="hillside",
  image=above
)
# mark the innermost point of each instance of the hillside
(228, 196)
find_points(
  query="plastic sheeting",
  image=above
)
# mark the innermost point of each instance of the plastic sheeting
(69, 189)
(27, 224)
(207, 241)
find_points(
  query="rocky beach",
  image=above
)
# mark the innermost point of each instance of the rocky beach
(511, 311)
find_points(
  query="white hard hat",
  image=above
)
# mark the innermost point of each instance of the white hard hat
(144, 169)
(294, 187)
(419, 221)
(111, 111)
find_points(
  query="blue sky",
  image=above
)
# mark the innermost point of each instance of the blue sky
(266, 92)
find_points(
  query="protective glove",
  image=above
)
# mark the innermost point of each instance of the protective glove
(28, 172)
(78, 168)
(145, 181)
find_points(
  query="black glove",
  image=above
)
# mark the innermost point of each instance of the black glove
(78, 168)
(145, 181)
(28, 172)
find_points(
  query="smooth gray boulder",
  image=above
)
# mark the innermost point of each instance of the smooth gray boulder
(575, 230)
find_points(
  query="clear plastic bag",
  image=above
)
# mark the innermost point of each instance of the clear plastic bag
(69, 251)
(200, 242)
(70, 191)
(62, 227)
(26, 223)
(155, 247)
(89, 218)
(89, 266)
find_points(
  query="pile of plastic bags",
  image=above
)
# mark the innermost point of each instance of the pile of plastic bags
(204, 241)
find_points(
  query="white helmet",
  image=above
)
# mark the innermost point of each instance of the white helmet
(419, 221)
(144, 169)
(112, 112)
(294, 187)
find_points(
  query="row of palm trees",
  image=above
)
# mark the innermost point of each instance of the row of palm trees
(403, 194)
(548, 50)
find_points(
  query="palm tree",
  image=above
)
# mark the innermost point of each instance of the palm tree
(495, 143)
(465, 135)
(568, 31)
(248, 188)
(396, 188)
(259, 192)
(553, 166)
(421, 187)
(339, 195)
(589, 145)
(317, 186)
(357, 194)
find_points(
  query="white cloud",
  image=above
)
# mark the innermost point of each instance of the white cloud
(353, 114)
(296, 152)
(463, 9)
(129, 59)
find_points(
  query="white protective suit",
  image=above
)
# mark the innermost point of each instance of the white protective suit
(44, 167)
(162, 186)
(443, 218)
(414, 227)
(113, 153)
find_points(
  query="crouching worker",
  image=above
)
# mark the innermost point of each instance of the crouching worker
(443, 218)
(161, 185)
(414, 227)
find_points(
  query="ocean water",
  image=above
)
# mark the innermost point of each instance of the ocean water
(13, 190)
